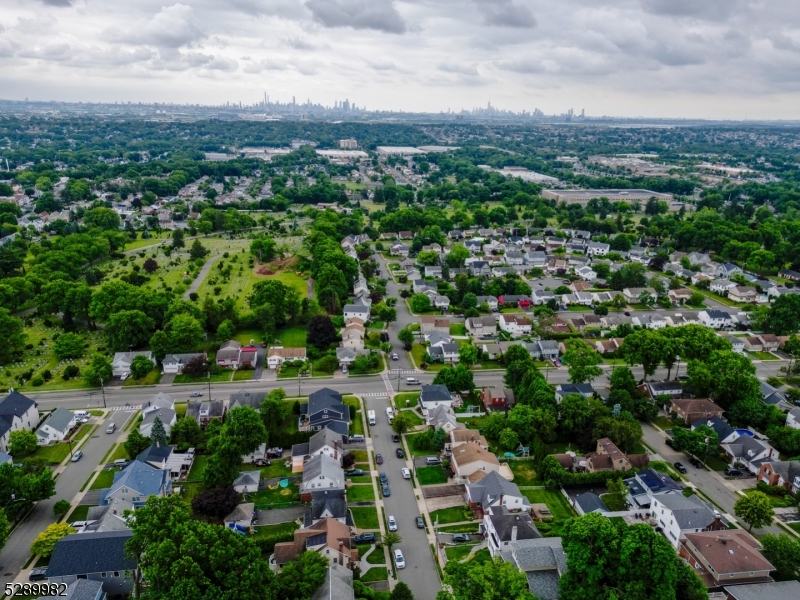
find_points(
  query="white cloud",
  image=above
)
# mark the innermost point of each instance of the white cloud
(380, 15)
(505, 13)
(172, 27)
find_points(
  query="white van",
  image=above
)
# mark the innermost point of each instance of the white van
(81, 413)
(389, 413)
(412, 381)
(371, 417)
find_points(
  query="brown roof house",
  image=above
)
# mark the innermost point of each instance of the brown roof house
(277, 356)
(429, 323)
(608, 457)
(327, 537)
(725, 557)
(781, 472)
(692, 409)
(473, 462)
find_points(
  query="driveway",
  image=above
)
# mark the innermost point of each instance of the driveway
(420, 573)
(17, 550)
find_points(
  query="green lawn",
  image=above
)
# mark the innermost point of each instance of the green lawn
(716, 464)
(414, 417)
(459, 552)
(558, 505)
(119, 452)
(376, 325)
(365, 517)
(360, 493)
(361, 479)
(293, 337)
(83, 431)
(466, 528)
(481, 556)
(763, 355)
(243, 374)
(775, 501)
(152, 378)
(154, 239)
(361, 455)
(400, 399)
(267, 497)
(276, 469)
(357, 424)
(377, 557)
(198, 467)
(458, 329)
(79, 514)
(524, 473)
(455, 514)
(54, 454)
(375, 574)
(794, 525)
(613, 502)
(431, 475)
(662, 422)
(104, 479)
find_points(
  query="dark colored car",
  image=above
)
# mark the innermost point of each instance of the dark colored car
(733, 472)
(669, 442)
(39, 574)
(420, 523)
(365, 538)
(354, 472)
(695, 463)
(395, 438)
(385, 490)
(383, 478)
(460, 537)
(679, 467)
(399, 452)
(379, 459)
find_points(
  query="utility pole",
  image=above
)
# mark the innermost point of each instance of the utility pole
(103, 389)
(209, 386)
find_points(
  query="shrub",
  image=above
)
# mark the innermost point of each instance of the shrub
(37, 381)
(47, 375)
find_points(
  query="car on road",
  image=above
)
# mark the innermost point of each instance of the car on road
(395, 357)
(460, 537)
(382, 477)
(395, 438)
(77, 456)
(695, 463)
(111, 428)
(679, 466)
(399, 452)
(420, 522)
(392, 523)
(354, 473)
(39, 574)
(365, 538)
(379, 459)
(730, 471)
(195, 394)
(627, 313)
(385, 490)
(399, 561)
(406, 473)
(669, 442)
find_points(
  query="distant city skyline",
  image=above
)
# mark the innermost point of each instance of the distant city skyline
(715, 59)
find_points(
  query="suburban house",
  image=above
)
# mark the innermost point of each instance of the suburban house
(442, 417)
(16, 412)
(338, 584)
(81, 589)
(781, 472)
(514, 300)
(586, 273)
(490, 301)
(321, 472)
(502, 527)
(648, 484)
(721, 286)
(726, 557)
(727, 269)
(356, 311)
(228, 354)
(565, 389)
(399, 250)
(325, 441)
(716, 319)
(246, 398)
(204, 411)
(515, 324)
(680, 295)
(725, 433)
(432, 396)
(769, 342)
(121, 363)
(473, 462)
(481, 326)
(634, 294)
(772, 395)
(429, 323)
(498, 398)
(589, 502)
(277, 356)
(177, 464)
(543, 349)
(750, 452)
(347, 356)
(353, 337)
(597, 249)
(678, 515)
(174, 363)
(325, 409)
(327, 504)
(654, 389)
(793, 418)
(493, 490)
(437, 337)
(775, 590)
(241, 517)
(327, 537)
(131, 488)
(96, 556)
(692, 409)
(56, 428)
(168, 418)
(446, 352)
(607, 457)
(247, 482)
(743, 293)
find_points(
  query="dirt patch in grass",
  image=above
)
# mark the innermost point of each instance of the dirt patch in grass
(524, 473)
(274, 266)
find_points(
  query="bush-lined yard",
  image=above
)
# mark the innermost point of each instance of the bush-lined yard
(557, 503)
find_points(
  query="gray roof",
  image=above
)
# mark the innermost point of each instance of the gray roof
(575, 388)
(589, 502)
(4, 458)
(435, 393)
(491, 487)
(718, 424)
(434, 337)
(300, 449)
(355, 308)
(80, 589)
(440, 415)
(777, 590)
(83, 553)
(332, 502)
(140, 477)
(245, 398)
(689, 513)
(155, 453)
(165, 414)
(746, 447)
(543, 584)
(242, 512)
(59, 419)
(504, 523)
(325, 465)
(788, 469)
(162, 400)
(324, 437)
(338, 585)
(548, 344)
(718, 314)
(180, 359)
(248, 478)
(13, 405)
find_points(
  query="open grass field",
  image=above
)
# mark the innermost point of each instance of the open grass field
(360, 493)
(524, 473)
(293, 337)
(455, 514)
(431, 475)
(558, 505)
(365, 517)
(154, 239)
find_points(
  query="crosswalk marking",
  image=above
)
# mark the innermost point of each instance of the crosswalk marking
(131, 407)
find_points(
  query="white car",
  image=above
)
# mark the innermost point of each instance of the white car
(392, 524)
(399, 561)
(395, 357)
(124, 376)
(406, 473)
(344, 368)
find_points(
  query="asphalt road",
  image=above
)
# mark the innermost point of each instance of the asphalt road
(17, 550)
(420, 573)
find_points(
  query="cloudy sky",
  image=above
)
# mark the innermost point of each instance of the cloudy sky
(675, 58)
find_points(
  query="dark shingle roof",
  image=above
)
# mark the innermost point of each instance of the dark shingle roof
(81, 553)
(331, 501)
(504, 523)
(589, 502)
(81, 589)
(435, 393)
(13, 405)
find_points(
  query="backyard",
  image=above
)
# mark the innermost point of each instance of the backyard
(456, 514)
(431, 475)
(360, 493)
(524, 473)
(365, 517)
(277, 496)
(558, 504)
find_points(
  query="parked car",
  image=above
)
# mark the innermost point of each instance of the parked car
(276, 452)
(733, 472)
(344, 368)
(392, 523)
(399, 452)
(78, 524)
(195, 394)
(385, 490)
(395, 438)
(695, 463)
(669, 442)
(77, 456)
(261, 462)
(460, 537)
(680, 468)
(354, 473)
(395, 357)
(420, 522)
(365, 538)
(379, 459)
(406, 473)
(399, 561)
(39, 574)
(124, 376)
(383, 478)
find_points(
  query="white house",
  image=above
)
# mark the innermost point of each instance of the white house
(597, 249)
(247, 482)
(493, 490)
(277, 356)
(750, 452)
(678, 515)
(793, 418)
(586, 273)
(727, 269)
(16, 412)
(468, 459)
(325, 441)
(321, 472)
(399, 250)
(716, 319)
(354, 310)
(174, 363)
(434, 395)
(491, 301)
(515, 324)
(56, 427)
(721, 286)
(122, 361)
(504, 529)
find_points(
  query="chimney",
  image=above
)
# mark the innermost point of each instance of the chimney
(514, 533)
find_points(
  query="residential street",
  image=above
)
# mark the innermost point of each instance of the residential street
(70, 480)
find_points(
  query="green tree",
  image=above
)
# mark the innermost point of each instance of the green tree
(582, 362)
(406, 336)
(69, 345)
(136, 443)
(490, 580)
(428, 258)
(321, 332)
(186, 432)
(61, 507)
(127, 329)
(391, 538)
(631, 275)
(301, 577)
(784, 315)
(273, 409)
(159, 345)
(644, 347)
(226, 330)
(699, 442)
(185, 333)
(783, 552)
(99, 371)
(5, 529)
(689, 586)
(158, 434)
(420, 303)
(401, 592)
(619, 302)
(576, 414)
(725, 376)
(22, 442)
(754, 509)
(508, 439)
(263, 248)
(469, 300)
(402, 422)
(46, 541)
(468, 354)
(104, 218)
(12, 334)
(198, 250)
(457, 255)
(141, 366)
(242, 433)
(177, 239)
